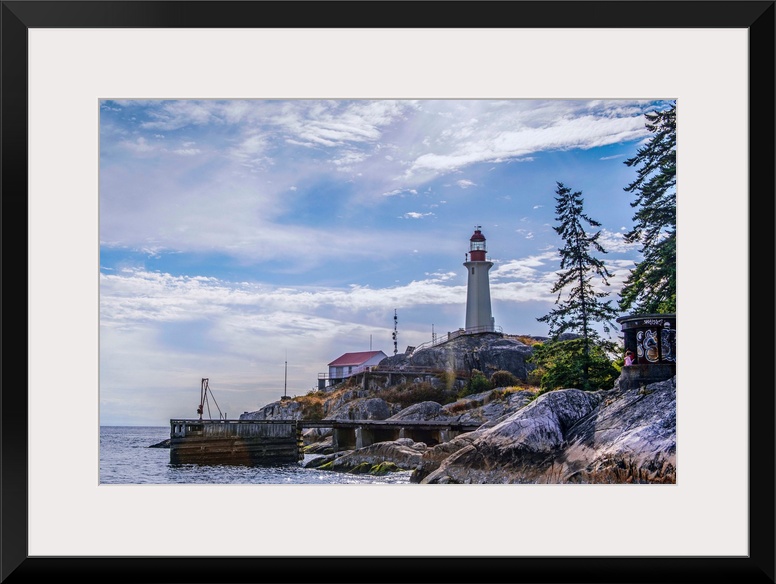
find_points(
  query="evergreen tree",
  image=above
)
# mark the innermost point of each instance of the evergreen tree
(583, 306)
(561, 364)
(651, 285)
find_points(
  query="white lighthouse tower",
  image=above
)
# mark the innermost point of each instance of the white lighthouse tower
(479, 318)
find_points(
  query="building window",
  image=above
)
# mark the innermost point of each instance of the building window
(472, 271)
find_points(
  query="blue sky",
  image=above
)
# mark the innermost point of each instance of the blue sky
(238, 235)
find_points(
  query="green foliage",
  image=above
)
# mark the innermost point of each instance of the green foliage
(575, 364)
(651, 285)
(535, 375)
(476, 383)
(503, 379)
(407, 394)
(584, 304)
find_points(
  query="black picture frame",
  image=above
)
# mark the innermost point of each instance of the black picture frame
(755, 16)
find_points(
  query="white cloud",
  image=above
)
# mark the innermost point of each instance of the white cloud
(400, 192)
(271, 190)
(614, 242)
(175, 114)
(139, 146)
(251, 148)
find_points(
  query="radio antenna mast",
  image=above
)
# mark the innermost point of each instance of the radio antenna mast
(395, 332)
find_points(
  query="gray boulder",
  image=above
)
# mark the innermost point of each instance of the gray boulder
(486, 407)
(373, 408)
(334, 403)
(321, 446)
(163, 444)
(568, 436)
(422, 411)
(489, 352)
(279, 410)
(403, 454)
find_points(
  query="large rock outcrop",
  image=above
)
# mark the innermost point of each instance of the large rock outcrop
(279, 410)
(487, 407)
(479, 408)
(402, 454)
(363, 408)
(622, 435)
(488, 352)
(568, 436)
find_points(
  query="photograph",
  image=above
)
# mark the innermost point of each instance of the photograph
(380, 292)
(342, 291)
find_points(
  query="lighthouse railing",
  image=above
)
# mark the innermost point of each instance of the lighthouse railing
(455, 334)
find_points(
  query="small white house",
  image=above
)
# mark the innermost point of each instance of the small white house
(352, 363)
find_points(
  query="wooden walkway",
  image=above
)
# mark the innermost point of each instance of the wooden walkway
(377, 424)
(255, 442)
(391, 424)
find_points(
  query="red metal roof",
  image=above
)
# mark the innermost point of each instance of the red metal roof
(355, 359)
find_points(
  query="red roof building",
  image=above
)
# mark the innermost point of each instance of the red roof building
(352, 363)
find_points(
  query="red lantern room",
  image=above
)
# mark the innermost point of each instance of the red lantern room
(477, 249)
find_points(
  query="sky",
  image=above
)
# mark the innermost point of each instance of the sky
(252, 242)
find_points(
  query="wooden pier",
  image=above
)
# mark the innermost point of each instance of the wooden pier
(268, 442)
(236, 442)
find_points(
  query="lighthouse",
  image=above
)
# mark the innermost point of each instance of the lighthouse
(479, 318)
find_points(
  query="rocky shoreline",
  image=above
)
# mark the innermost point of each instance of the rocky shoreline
(564, 436)
(613, 436)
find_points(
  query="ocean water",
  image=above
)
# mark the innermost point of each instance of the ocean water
(126, 459)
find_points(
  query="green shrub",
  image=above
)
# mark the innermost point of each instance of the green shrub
(572, 363)
(534, 378)
(477, 383)
(407, 394)
(503, 378)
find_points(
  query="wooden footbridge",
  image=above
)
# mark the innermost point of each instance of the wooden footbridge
(261, 442)
(350, 434)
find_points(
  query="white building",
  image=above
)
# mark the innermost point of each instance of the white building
(479, 317)
(352, 363)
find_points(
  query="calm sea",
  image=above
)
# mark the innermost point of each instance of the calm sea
(125, 458)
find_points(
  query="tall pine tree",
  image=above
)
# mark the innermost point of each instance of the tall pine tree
(651, 285)
(583, 306)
